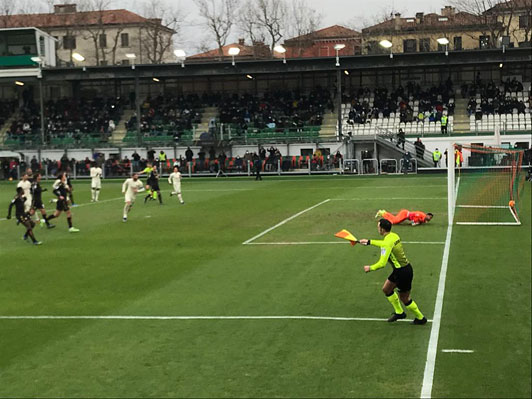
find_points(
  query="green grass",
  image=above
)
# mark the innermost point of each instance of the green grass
(189, 260)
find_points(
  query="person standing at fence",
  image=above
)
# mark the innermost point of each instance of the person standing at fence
(444, 120)
(436, 157)
(420, 148)
(406, 162)
(257, 165)
(96, 182)
(175, 180)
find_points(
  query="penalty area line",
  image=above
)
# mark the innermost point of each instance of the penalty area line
(132, 317)
(457, 350)
(284, 221)
(335, 242)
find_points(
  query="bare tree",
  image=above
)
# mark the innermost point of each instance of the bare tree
(304, 21)
(163, 22)
(248, 24)
(488, 22)
(271, 16)
(219, 16)
(91, 20)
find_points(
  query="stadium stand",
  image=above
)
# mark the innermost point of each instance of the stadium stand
(506, 105)
(68, 121)
(166, 119)
(279, 114)
(414, 109)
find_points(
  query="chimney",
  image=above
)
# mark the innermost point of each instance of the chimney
(397, 21)
(65, 8)
(419, 18)
(448, 11)
(242, 42)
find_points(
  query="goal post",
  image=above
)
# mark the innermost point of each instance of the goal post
(487, 191)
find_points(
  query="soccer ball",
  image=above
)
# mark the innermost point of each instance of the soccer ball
(511, 204)
(10, 179)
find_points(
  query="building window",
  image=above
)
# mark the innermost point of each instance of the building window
(69, 42)
(124, 40)
(409, 46)
(424, 44)
(525, 21)
(484, 42)
(102, 39)
(125, 62)
(103, 63)
(457, 43)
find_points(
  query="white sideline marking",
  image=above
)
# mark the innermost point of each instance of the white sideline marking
(483, 206)
(335, 242)
(284, 221)
(118, 317)
(457, 350)
(387, 198)
(430, 364)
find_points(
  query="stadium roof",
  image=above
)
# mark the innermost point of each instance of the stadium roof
(74, 19)
(427, 22)
(329, 33)
(489, 58)
(258, 50)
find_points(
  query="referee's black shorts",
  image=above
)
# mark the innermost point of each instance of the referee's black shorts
(62, 205)
(402, 277)
(154, 185)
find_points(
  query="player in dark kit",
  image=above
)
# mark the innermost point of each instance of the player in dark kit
(23, 217)
(70, 190)
(153, 183)
(37, 204)
(61, 190)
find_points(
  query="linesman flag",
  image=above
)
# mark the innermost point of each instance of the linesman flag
(346, 235)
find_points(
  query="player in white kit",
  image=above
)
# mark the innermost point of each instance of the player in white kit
(175, 180)
(130, 188)
(25, 184)
(96, 182)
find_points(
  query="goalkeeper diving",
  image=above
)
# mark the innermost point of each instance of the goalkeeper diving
(415, 218)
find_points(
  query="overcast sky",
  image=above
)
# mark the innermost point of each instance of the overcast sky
(351, 13)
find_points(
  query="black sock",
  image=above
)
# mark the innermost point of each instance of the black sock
(72, 198)
(46, 220)
(69, 220)
(26, 235)
(30, 233)
(160, 198)
(49, 218)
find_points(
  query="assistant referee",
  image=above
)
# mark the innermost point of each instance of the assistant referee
(402, 275)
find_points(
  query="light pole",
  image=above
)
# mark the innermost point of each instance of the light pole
(281, 50)
(444, 42)
(131, 57)
(387, 44)
(40, 62)
(181, 56)
(337, 48)
(232, 52)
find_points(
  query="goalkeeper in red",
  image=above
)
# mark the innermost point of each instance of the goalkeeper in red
(402, 274)
(414, 217)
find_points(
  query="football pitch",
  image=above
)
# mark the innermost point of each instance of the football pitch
(245, 292)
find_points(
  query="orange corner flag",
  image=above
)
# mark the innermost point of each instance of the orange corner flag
(346, 235)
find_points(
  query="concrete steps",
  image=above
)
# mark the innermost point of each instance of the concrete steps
(461, 118)
(5, 127)
(328, 126)
(120, 130)
(206, 116)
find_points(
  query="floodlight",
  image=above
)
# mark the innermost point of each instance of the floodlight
(78, 57)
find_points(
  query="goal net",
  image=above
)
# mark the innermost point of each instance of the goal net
(487, 190)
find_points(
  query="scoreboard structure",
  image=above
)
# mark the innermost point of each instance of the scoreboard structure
(25, 51)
